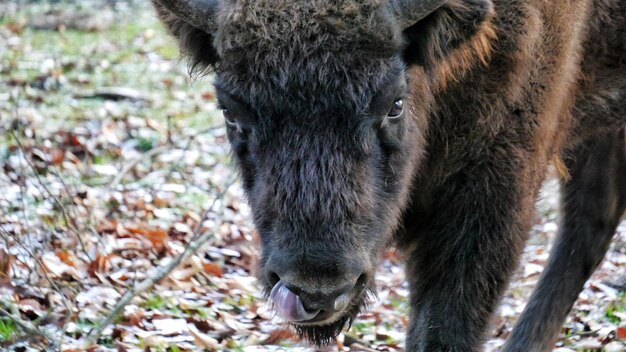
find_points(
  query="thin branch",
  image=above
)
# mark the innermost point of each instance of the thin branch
(54, 198)
(66, 301)
(26, 326)
(197, 240)
(72, 209)
(6, 235)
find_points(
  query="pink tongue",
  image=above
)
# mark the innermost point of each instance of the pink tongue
(288, 305)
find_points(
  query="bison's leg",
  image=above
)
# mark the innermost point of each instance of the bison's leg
(592, 204)
(466, 248)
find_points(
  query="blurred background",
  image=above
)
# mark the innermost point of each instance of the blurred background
(122, 223)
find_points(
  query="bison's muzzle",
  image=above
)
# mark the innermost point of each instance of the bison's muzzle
(315, 295)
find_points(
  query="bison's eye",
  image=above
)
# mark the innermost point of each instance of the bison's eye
(396, 109)
(230, 121)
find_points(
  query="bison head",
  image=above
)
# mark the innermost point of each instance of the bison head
(325, 132)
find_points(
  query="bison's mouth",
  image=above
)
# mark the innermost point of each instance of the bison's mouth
(319, 327)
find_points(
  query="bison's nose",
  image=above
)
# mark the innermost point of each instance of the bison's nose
(296, 303)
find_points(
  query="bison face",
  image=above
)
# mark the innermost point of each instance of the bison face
(326, 138)
(326, 167)
(326, 157)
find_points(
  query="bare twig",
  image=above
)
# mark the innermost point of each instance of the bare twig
(197, 240)
(69, 192)
(66, 301)
(47, 191)
(6, 235)
(11, 312)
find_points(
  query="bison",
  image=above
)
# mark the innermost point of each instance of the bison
(426, 123)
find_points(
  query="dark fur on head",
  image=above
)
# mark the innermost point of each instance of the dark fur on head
(305, 51)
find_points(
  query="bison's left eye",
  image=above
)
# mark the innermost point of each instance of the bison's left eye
(396, 109)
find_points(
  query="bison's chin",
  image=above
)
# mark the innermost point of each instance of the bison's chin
(321, 335)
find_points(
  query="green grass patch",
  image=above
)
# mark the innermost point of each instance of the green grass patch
(8, 329)
(155, 302)
(363, 327)
(166, 304)
(617, 306)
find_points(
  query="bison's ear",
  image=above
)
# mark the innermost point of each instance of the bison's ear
(451, 39)
(194, 43)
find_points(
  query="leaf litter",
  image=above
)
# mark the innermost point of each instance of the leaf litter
(110, 153)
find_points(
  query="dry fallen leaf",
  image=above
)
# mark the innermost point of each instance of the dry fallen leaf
(6, 261)
(156, 236)
(620, 333)
(212, 269)
(99, 265)
(31, 308)
(279, 335)
(170, 326)
(203, 340)
(67, 258)
(57, 268)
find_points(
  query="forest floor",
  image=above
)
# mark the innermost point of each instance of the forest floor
(114, 160)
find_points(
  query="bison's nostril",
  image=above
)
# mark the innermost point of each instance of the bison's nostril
(273, 278)
(341, 302)
(361, 281)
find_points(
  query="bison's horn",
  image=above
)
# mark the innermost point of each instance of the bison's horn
(408, 12)
(198, 13)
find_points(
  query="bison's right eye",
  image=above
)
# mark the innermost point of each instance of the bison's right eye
(230, 121)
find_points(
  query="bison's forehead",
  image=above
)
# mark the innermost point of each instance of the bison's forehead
(335, 51)
(306, 23)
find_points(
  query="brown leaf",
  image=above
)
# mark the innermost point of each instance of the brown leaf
(29, 303)
(203, 340)
(66, 257)
(167, 82)
(117, 333)
(99, 264)
(212, 269)
(16, 27)
(31, 308)
(279, 335)
(71, 140)
(6, 260)
(106, 226)
(56, 156)
(190, 268)
(135, 317)
(208, 96)
(620, 333)
(55, 266)
(156, 236)
(160, 202)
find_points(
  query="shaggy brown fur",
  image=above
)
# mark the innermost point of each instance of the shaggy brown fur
(495, 91)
